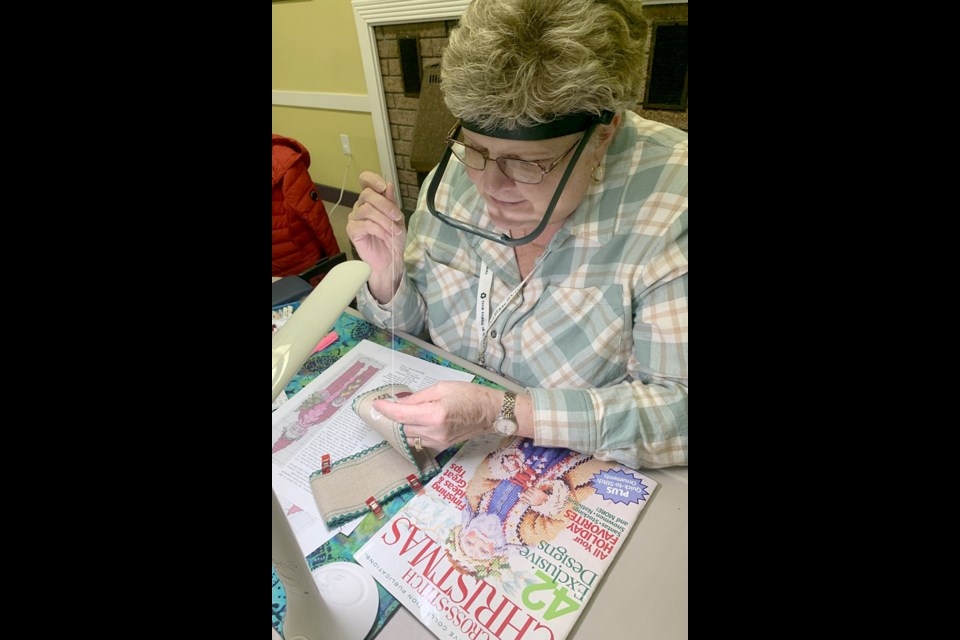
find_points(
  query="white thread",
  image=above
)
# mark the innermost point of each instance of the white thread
(393, 311)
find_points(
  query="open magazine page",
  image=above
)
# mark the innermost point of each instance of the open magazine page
(319, 419)
(351, 330)
(509, 541)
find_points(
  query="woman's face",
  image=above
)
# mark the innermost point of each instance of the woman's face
(520, 207)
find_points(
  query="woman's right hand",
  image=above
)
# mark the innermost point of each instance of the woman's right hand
(376, 228)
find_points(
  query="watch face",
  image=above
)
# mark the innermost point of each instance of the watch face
(504, 426)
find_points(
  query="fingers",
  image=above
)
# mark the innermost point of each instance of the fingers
(371, 180)
(415, 442)
(439, 391)
(375, 212)
(429, 394)
(424, 413)
(420, 421)
(444, 413)
(426, 441)
(360, 225)
(391, 195)
(382, 196)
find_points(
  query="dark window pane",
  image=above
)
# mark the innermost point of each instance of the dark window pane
(667, 77)
(410, 66)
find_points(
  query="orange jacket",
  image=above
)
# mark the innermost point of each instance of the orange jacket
(301, 229)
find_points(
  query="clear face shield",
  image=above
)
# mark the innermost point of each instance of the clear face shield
(518, 170)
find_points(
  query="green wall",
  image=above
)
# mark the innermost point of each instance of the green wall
(315, 49)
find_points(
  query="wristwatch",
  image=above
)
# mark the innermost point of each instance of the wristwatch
(506, 423)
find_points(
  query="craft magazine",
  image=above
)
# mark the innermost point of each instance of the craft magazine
(509, 542)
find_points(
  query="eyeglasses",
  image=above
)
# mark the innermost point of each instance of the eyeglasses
(525, 171)
(533, 171)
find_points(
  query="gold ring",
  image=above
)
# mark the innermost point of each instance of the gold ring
(417, 444)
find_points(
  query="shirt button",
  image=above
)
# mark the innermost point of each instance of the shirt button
(493, 333)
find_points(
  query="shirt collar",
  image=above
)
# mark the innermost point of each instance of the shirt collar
(589, 226)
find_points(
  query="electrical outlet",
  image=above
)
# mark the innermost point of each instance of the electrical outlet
(345, 143)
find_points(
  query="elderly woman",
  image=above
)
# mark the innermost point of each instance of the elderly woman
(549, 244)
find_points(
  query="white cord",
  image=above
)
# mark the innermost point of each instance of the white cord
(342, 185)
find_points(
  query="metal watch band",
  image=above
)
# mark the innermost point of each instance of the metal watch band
(509, 404)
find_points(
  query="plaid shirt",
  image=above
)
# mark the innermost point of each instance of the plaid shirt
(598, 334)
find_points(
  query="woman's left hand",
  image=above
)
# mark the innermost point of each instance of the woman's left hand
(446, 413)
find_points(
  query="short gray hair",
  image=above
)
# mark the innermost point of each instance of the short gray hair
(517, 63)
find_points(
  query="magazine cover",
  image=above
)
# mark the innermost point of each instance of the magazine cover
(509, 541)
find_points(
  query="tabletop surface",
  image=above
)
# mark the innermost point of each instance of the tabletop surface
(644, 592)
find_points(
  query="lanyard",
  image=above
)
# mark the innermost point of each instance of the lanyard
(485, 321)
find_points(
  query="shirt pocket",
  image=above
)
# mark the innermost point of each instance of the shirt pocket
(446, 290)
(574, 337)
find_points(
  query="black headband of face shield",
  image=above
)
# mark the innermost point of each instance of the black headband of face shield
(556, 128)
